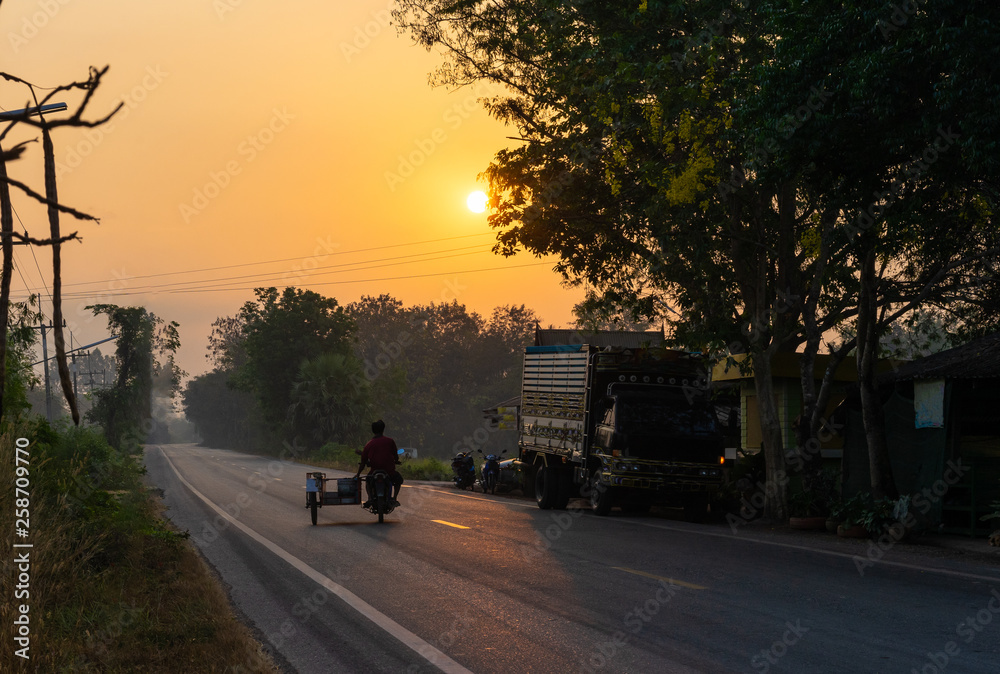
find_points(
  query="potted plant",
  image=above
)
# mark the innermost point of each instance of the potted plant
(887, 515)
(811, 503)
(806, 510)
(850, 514)
(835, 517)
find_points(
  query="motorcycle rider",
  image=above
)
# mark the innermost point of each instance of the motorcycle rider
(381, 454)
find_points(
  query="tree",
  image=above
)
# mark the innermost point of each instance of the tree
(707, 156)
(53, 208)
(914, 192)
(327, 405)
(20, 376)
(279, 333)
(222, 416)
(124, 409)
(623, 114)
(595, 313)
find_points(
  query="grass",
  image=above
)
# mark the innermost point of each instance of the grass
(343, 457)
(113, 587)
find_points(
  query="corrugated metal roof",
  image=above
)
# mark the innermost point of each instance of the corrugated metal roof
(627, 339)
(979, 359)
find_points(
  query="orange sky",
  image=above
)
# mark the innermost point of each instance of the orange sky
(256, 131)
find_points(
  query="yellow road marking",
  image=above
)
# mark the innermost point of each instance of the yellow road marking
(449, 524)
(670, 581)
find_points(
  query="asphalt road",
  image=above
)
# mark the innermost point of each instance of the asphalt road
(462, 582)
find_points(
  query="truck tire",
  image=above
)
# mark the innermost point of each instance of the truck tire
(528, 481)
(564, 488)
(600, 496)
(545, 487)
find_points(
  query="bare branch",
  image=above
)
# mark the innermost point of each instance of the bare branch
(44, 242)
(38, 197)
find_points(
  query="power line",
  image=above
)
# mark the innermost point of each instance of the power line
(221, 283)
(387, 278)
(41, 276)
(287, 259)
(327, 283)
(364, 264)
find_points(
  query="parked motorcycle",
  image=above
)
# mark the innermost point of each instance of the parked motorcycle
(465, 470)
(379, 494)
(490, 471)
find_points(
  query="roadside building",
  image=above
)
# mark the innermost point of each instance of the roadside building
(943, 431)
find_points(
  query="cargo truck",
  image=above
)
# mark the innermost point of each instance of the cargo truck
(625, 427)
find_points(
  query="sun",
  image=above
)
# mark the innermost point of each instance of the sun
(477, 201)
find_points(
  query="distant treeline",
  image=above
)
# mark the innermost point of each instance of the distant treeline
(296, 367)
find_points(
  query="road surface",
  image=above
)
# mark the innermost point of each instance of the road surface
(461, 582)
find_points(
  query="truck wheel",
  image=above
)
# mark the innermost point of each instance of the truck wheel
(528, 476)
(311, 496)
(545, 487)
(600, 496)
(564, 489)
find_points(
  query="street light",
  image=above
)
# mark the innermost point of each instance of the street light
(27, 112)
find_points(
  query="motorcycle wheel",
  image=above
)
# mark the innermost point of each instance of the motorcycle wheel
(313, 507)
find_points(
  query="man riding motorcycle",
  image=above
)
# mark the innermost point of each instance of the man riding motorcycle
(381, 454)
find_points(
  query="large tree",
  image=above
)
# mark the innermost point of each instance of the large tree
(901, 155)
(144, 352)
(670, 156)
(279, 331)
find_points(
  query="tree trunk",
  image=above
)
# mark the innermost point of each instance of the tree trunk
(882, 482)
(57, 318)
(7, 229)
(775, 491)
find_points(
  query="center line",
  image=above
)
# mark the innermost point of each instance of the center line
(457, 526)
(670, 581)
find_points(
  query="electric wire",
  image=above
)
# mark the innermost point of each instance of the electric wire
(41, 276)
(305, 282)
(287, 259)
(263, 276)
(367, 280)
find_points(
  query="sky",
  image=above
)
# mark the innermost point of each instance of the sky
(258, 144)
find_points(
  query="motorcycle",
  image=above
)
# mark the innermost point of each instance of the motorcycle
(490, 471)
(380, 500)
(465, 470)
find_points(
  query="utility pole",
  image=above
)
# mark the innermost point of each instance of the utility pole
(73, 364)
(45, 366)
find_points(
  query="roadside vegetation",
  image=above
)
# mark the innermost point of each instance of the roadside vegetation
(343, 457)
(296, 367)
(113, 587)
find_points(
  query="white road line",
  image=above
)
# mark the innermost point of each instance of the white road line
(403, 635)
(832, 553)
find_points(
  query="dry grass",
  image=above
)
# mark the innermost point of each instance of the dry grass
(113, 588)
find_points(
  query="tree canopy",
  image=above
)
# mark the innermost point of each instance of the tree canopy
(723, 165)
